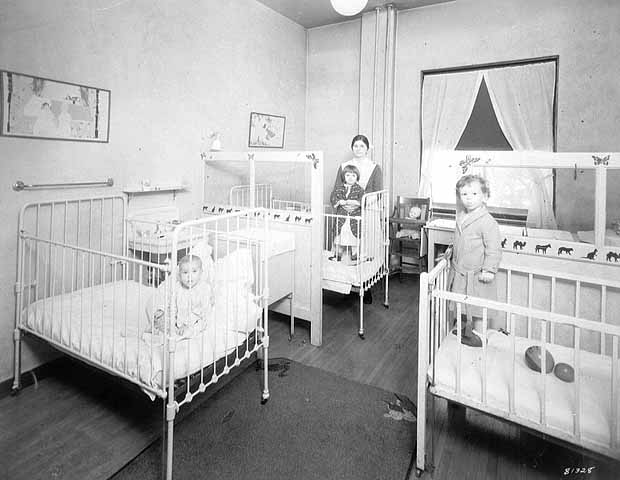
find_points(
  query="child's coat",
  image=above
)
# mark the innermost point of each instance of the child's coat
(477, 247)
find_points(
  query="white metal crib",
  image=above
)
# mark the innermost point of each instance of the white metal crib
(372, 262)
(495, 378)
(83, 288)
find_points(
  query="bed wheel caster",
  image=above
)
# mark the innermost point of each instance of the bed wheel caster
(263, 401)
(361, 335)
(14, 391)
(386, 305)
(418, 472)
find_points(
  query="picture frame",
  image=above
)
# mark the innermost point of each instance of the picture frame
(266, 130)
(38, 107)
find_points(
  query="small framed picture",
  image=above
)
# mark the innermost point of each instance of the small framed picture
(36, 107)
(266, 131)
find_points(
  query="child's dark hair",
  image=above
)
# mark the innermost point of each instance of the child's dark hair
(351, 169)
(363, 138)
(472, 178)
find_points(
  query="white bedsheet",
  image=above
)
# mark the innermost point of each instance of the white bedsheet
(595, 388)
(279, 242)
(347, 275)
(116, 338)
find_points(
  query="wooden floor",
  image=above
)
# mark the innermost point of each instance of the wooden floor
(69, 427)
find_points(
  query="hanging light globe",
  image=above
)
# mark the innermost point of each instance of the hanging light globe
(349, 8)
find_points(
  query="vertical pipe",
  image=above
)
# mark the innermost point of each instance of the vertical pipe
(374, 82)
(388, 102)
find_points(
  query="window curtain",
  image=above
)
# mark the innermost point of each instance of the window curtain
(447, 103)
(522, 97)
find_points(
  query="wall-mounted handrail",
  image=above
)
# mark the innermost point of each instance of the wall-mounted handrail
(18, 186)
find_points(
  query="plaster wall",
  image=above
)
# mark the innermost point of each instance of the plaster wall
(176, 70)
(584, 33)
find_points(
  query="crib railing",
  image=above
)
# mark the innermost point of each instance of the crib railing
(295, 206)
(83, 286)
(544, 327)
(371, 231)
(242, 196)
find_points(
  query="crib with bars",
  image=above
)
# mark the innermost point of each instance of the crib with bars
(370, 227)
(82, 289)
(568, 315)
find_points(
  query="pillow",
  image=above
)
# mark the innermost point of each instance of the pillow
(202, 250)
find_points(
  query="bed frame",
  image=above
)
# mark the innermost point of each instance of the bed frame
(301, 219)
(538, 320)
(556, 293)
(373, 252)
(75, 264)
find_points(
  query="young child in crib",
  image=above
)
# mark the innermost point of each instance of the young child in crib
(347, 200)
(476, 252)
(194, 298)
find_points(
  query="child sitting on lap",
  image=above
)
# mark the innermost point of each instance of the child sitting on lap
(194, 298)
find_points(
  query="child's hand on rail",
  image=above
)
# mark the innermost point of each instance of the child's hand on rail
(486, 277)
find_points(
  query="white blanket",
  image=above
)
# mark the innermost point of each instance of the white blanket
(560, 405)
(347, 273)
(106, 324)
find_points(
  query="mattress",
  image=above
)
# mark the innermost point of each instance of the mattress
(560, 405)
(106, 324)
(341, 276)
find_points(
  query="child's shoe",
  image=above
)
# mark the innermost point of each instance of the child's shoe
(469, 337)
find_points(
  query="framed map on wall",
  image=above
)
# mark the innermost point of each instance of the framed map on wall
(266, 130)
(35, 107)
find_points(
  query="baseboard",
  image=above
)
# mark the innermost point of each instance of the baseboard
(32, 376)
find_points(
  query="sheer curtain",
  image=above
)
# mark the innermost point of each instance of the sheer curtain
(522, 97)
(447, 102)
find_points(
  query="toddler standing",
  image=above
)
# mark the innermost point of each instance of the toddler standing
(476, 252)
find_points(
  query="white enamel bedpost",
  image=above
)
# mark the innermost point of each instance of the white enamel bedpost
(19, 289)
(169, 350)
(600, 196)
(386, 249)
(252, 167)
(316, 300)
(423, 317)
(264, 259)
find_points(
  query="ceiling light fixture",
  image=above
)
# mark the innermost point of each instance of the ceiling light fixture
(349, 8)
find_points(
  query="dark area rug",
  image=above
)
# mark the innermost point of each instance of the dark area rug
(315, 425)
